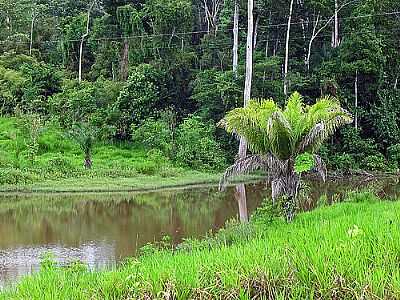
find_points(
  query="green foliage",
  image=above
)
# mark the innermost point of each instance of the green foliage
(85, 135)
(297, 128)
(154, 134)
(87, 102)
(304, 163)
(375, 163)
(196, 146)
(343, 162)
(215, 92)
(16, 176)
(394, 154)
(140, 98)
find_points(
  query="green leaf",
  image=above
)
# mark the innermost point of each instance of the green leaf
(304, 163)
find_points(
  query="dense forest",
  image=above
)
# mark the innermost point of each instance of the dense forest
(162, 73)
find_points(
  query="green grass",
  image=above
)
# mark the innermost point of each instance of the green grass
(58, 167)
(346, 251)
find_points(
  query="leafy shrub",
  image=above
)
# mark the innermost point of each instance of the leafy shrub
(197, 147)
(394, 154)
(356, 145)
(343, 162)
(17, 176)
(42, 81)
(154, 134)
(146, 167)
(60, 164)
(375, 163)
(215, 92)
(91, 102)
(140, 98)
(266, 213)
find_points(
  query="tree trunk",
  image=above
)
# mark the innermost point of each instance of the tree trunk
(249, 69)
(256, 32)
(31, 35)
(356, 101)
(285, 79)
(125, 60)
(88, 161)
(336, 26)
(267, 42)
(84, 36)
(236, 39)
(240, 189)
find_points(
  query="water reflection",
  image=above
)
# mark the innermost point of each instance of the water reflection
(102, 229)
(241, 199)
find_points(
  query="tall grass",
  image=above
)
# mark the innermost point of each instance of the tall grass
(346, 251)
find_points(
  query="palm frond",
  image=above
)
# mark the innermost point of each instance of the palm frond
(266, 163)
(329, 116)
(250, 123)
(242, 166)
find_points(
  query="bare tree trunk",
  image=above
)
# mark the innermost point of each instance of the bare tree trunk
(336, 41)
(256, 32)
(31, 35)
(249, 68)
(236, 39)
(84, 36)
(125, 60)
(317, 32)
(267, 42)
(240, 189)
(249, 53)
(356, 101)
(285, 79)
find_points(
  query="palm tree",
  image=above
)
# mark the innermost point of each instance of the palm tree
(276, 137)
(85, 135)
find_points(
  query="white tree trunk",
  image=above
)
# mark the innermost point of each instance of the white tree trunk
(286, 68)
(84, 36)
(336, 41)
(356, 101)
(256, 32)
(249, 68)
(31, 35)
(236, 38)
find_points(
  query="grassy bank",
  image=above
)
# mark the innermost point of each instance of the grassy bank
(346, 251)
(57, 165)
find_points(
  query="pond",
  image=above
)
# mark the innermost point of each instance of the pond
(102, 229)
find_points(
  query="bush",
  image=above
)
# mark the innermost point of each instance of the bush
(89, 102)
(394, 154)
(343, 162)
(60, 164)
(375, 163)
(140, 98)
(196, 145)
(154, 134)
(17, 176)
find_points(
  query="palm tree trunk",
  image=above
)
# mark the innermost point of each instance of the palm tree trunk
(88, 161)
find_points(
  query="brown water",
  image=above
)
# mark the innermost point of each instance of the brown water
(102, 229)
